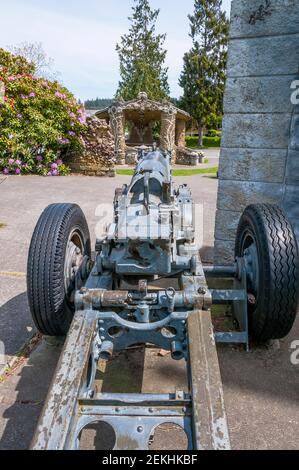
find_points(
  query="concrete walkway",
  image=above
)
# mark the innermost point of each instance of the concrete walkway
(261, 387)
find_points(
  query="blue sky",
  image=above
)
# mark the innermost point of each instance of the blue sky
(81, 36)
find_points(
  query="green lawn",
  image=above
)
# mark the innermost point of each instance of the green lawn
(208, 142)
(195, 171)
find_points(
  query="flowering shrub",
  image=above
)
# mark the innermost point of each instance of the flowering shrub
(39, 120)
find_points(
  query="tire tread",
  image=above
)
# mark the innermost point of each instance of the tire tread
(45, 268)
(279, 281)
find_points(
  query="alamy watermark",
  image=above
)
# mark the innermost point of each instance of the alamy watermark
(294, 348)
(295, 94)
(2, 354)
(160, 223)
(2, 93)
(295, 353)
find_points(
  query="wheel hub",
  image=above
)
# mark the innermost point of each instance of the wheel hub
(73, 262)
(252, 268)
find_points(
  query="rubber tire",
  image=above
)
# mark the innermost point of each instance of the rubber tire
(50, 309)
(275, 312)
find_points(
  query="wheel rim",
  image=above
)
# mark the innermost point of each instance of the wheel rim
(251, 259)
(73, 260)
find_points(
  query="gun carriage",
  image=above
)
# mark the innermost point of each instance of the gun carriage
(113, 301)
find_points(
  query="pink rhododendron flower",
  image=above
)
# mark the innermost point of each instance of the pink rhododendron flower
(63, 141)
(82, 116)
(23, 138)
(60, 95)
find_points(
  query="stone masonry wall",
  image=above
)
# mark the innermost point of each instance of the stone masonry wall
(97, 157)
(259, 159)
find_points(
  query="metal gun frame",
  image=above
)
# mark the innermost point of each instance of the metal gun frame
(109, 318)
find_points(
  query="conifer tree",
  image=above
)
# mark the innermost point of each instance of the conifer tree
(142, 56)
(204, 71)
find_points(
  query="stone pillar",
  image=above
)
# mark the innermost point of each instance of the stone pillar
(180, 133)
(168, 120)
(259, 161)
(117, 122)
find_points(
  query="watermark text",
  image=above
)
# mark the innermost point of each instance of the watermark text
(295, 353)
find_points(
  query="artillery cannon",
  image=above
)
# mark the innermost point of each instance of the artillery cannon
(114, 301)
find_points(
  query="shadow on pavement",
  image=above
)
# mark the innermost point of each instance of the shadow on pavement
(265, 371)
(16, 325)
(261, 390)
(207, 254)
(22, 395)
(124, 373)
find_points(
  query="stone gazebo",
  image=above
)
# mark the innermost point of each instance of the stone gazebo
(138, 116)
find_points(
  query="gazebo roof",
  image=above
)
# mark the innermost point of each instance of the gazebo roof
(142, 108)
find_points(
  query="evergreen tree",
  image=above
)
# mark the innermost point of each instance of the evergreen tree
(98, 103)
(142, 56)
(203, 76)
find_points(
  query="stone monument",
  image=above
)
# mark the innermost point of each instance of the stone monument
(97, 156)
(138, 115)
(259, 160)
